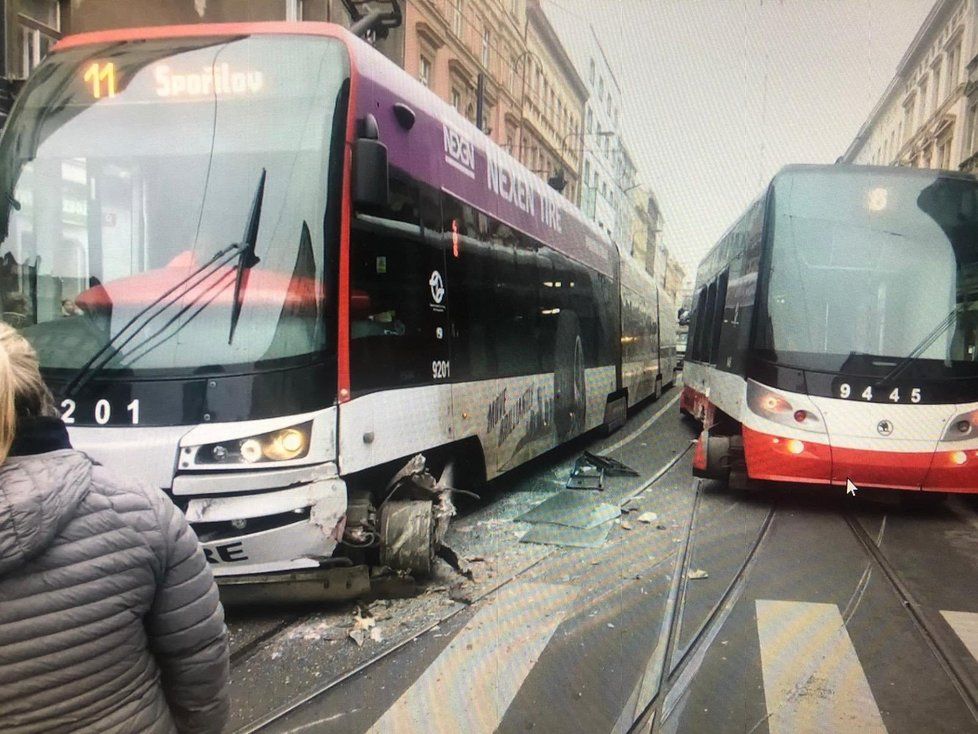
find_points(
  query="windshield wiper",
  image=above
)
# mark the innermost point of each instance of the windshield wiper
(114, 345)
(247, 259)
(925, 343)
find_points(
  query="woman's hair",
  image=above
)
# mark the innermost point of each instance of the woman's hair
(22, 391)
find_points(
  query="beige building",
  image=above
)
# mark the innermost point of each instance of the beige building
(554, 96)
(532, 99)
(450, 44)
(925, 118)
(642, 233)
(674, 277)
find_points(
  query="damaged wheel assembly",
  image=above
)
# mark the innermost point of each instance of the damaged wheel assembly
(409, 526)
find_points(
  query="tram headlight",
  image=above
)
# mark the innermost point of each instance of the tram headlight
(284, 444)
(799, 412)
(962, 427)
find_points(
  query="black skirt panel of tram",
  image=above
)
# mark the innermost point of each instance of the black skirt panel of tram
(917, 385)
(198, 399)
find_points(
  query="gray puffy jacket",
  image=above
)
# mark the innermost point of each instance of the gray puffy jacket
(109, 616)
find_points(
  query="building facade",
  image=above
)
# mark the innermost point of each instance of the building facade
(554, 98)
(674, 276)
(604, 198)
(641, 227)
(458, 48)
(926, 116)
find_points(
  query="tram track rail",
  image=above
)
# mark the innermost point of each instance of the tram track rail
(679, 665)
(254, 646)
(936, 638)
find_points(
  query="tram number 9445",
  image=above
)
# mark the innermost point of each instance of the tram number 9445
(870, 394)
(101, 412)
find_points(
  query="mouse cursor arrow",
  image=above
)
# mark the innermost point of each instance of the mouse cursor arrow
(851, 488)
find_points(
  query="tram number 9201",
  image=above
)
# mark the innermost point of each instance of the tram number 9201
(847, 391)
(102, 412)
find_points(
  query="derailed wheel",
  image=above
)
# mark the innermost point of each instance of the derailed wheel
(407, 536)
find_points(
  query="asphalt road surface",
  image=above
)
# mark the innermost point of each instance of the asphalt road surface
(704, 610)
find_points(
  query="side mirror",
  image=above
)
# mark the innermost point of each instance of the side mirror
(371, 182)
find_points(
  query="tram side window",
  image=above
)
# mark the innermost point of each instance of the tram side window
(515, 323)
(706, 347)
(471, 290)
(392, 322)
(717, 313)
(567, 295)
(699, 315)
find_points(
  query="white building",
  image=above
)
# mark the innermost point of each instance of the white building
(925, 118)
(607, 170)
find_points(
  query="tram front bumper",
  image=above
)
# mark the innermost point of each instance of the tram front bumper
(265, 529)
(341, 583)
(781, 459)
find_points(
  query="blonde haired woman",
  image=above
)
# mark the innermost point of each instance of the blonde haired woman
(109, 616)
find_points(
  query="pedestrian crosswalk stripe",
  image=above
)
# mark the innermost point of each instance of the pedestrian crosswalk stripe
(813, 680)
(965, 626)
(469, 686)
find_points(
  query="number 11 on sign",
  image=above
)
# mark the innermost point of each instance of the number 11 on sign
(101, 77)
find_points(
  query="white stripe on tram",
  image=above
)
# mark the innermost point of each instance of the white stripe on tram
(813, 680)
(484, 665)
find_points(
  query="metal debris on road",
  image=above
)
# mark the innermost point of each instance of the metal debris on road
(590, 470)
(698, 574)
(586, 476)
(611, 467)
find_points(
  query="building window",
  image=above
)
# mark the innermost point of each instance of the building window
(923, 100)
(456, 100)
(908, 118)
(485, 48)
(944, 153)
(936, 76)
(424, 71)
(512, 74)
(457, 18)
(969, 131)
(953, 62)
(590, 72)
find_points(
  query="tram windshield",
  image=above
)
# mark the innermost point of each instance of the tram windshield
(872, 270)
(126, 167)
